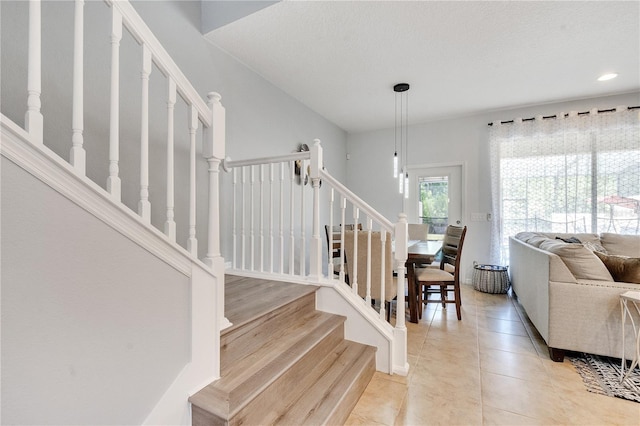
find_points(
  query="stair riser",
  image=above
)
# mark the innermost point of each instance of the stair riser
(337, 390)
(251, 336)
(200, 417)
(272, 403)
(343, 410)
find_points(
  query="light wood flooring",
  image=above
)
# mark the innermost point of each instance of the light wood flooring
(490, 368)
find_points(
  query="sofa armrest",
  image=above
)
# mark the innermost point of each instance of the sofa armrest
(531, 270)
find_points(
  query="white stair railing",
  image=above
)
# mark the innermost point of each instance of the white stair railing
(210, 116)
(277, 247)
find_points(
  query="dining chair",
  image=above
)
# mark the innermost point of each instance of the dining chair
(375, 274)
(443, 281)
(418, 231)
(333, 240)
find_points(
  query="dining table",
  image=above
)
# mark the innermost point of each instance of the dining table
(420, 252)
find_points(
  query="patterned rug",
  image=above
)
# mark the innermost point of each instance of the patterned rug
(601, 375)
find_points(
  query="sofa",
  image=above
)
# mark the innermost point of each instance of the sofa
(569, 285)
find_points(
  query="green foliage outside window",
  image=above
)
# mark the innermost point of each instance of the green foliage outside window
(434, 196)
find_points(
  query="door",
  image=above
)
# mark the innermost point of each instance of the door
(436, 194)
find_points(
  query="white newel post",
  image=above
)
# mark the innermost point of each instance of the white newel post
(78, 154)
(214, 151)
(315, 255)
(400, 363)
(33, 119)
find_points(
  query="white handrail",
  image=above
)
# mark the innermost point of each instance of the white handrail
(143, 35)
(229, 164)
(357, 201)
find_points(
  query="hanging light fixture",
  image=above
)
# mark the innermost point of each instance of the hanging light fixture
(395, 141)
(401, 126)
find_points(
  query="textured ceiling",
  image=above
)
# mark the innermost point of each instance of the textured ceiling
(342, 58)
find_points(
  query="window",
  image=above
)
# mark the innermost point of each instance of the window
(575, 174)
(433, 204)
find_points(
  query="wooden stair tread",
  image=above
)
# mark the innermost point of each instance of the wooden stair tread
(247, 299)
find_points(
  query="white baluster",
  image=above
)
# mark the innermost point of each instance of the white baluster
(113, 181)
(261, 217)
(291, 212)
(315, 252)
(368, 290)
(330, 267)
(281, 213)
(144, 206)
(356, 216)
(170, 224)
(192, 242)
(252, 230)
(343, 211)
(271, 218)
(242, 219)
(78, 154)
(33, 120)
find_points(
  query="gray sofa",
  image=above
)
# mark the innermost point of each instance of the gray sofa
(568, 292)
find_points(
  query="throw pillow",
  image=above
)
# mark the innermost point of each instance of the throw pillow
(570, 240)
(582, 263)
(623, 269)
(590, 245)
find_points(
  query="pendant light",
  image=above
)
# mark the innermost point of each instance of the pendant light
(401, 126)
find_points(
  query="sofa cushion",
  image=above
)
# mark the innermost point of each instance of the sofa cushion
(622, 268)
(582, 263)
(622, 245)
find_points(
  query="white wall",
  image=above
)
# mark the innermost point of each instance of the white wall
(94, 327)
(462, 140)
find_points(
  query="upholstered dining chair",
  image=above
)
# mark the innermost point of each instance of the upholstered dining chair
(418, 231)
(443, 281)
(333, 240)
(375, 274)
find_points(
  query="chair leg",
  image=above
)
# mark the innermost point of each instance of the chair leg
(443, 296)
(456, 289)
(420, 295)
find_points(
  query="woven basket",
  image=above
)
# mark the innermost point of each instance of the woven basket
(490, 278)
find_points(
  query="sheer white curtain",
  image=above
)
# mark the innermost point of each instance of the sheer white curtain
(577, 172)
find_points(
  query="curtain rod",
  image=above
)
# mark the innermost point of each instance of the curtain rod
(566, 115)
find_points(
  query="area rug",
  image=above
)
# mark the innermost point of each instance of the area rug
(601, 375)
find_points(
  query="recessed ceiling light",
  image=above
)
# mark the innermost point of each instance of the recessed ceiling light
(606, 77)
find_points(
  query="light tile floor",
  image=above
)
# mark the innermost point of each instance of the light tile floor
(490, 368)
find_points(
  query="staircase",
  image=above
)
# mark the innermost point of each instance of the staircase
(282, 361)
